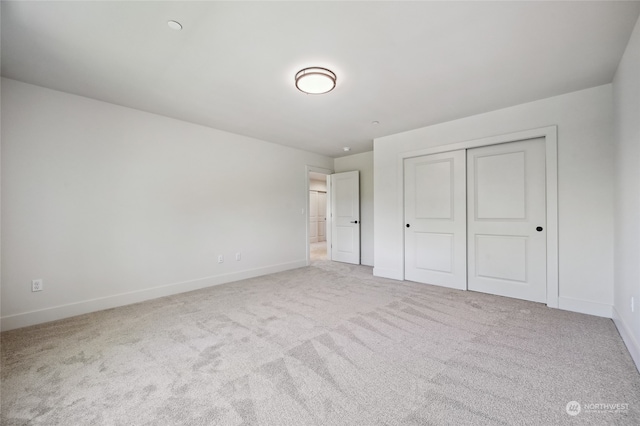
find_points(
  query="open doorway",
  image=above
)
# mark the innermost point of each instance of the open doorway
(317, 209)
(333, 216)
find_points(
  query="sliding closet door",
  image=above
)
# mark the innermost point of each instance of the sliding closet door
(435, 219)
(506, 203)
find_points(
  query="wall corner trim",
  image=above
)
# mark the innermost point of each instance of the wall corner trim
(585, 307)
(627, 337)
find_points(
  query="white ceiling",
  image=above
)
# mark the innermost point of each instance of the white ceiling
(232, 67)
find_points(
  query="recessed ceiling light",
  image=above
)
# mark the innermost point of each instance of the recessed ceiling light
(315, 80)
(346, 149)
(174, 25)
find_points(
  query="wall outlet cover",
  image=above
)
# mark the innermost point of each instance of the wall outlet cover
(37, 285)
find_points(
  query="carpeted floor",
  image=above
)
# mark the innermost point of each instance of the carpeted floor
(327, 344)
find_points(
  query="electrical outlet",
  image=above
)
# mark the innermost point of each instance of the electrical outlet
(220, 258)
(37, 285)
(238, 256)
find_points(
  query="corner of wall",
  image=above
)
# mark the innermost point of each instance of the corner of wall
(627, 337)
(626, 108)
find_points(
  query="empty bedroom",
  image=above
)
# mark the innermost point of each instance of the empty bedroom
(320, 213)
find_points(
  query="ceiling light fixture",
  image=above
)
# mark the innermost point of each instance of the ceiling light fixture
(315, 80)
(174, 25)
(346, 149)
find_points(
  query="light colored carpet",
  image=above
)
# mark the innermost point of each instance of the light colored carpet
(327, 344)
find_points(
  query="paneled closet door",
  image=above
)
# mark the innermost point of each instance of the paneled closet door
(506, 211)
(435, 219)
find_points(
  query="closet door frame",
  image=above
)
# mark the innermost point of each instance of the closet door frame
(551, 155)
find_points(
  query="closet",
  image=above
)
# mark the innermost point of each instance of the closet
(475, 219)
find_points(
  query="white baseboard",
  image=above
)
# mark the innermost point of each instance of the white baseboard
(387, 273)
(26, 319)
(585, 307)
(627, 337)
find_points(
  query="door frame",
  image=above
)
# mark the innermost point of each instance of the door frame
(550, 135)
(305, 212)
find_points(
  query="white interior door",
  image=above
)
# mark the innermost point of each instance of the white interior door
(313, 216)
(322, 216)
(345, 220)
(506, 210)
(435, 219)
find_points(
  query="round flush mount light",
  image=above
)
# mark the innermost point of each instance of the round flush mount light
(315, 80)
(174, 25)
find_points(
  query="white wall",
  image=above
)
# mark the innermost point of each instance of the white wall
(626, 95)
(585, 185)
(363, 163)
(111, 205)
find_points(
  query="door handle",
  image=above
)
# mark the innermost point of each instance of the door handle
(354, 221)
(539, 229)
